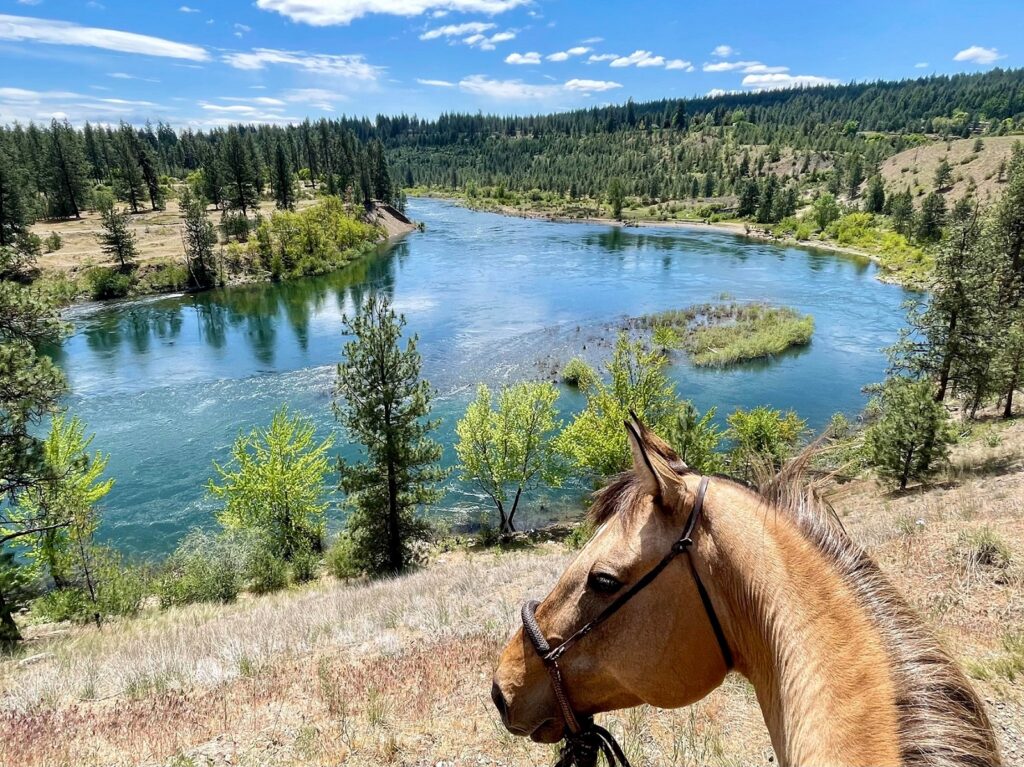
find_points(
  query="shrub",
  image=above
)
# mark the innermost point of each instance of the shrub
(263, 571)
(580, 535)
(61, 605)
(235, 226)
(164, 278)
(202, 569)
(53, 243)
(761, 436)
(340, 559)
(577, 373)
(107, 283)
(305, 567)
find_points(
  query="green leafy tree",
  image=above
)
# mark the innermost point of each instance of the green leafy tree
(761, 436)
(508, 449)
(825, 210)
(275, 484)
(64, 552)
(616, 198)
(384, 405)
(117, 239)
(636, 382)
(199, 238)
(696, 438)
(284, 179)
(913, 433)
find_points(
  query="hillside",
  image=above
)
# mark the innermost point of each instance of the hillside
(376, 673)
(915, 168)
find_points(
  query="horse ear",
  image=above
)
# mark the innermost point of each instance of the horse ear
(656, 444)
(653, 471)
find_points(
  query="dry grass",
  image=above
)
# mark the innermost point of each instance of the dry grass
(397, 672)
(915, 168)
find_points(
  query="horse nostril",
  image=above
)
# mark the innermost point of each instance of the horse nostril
(499, 702)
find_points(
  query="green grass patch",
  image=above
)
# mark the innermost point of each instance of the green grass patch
(716, 335)
(873, 235)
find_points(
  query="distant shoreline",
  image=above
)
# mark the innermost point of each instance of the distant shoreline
(721, 227)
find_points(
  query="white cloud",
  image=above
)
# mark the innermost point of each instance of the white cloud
(532, 57)
(749, 67)
(323, 13)
(20, 104)
(126, 76)
(776, 81)
(761, 69)
(976, 54)
(592, 40)
(187, 9)
(506, 90)
(26, 29)
(457, 30)
(436, 83)
(640, 59)
(318, 98)
(265, 101)
(714, 93)
(921, 65)
(686, 66)
(349, 66)
(498, 37)
(588, 86)
(723, 51)
(598, 57)
(579, 50)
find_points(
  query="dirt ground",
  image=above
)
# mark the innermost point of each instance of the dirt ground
(397, 671)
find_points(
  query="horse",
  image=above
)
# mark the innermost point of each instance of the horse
(844, 671)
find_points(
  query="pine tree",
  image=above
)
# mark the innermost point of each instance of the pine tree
(748, 199)
(199, 238)
(31, 386)
(284, 179)
(901, 209)
(385, 406)
(913, 433)
(128, 181)
(1007, 238)
(13, 215)
(943, 175)
(67, 184)
(117, 239)
(932, 218)
(147, 164)
(238, 173)
(874, 197)
(213, 181)
(616, 198)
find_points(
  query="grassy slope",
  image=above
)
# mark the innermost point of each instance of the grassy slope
(915, 168)
(398, 671)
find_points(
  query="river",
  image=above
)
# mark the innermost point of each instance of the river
(167, 383)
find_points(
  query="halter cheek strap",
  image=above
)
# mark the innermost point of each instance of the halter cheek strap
(585, 740)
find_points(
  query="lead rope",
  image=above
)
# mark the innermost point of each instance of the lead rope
(586, 740)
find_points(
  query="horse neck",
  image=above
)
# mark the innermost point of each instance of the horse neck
(816, 659)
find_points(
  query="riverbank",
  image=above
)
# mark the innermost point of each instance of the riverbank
(379, 673)
(888, 271)
(160, 264)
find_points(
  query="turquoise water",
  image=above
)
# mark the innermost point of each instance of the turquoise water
(167, 383)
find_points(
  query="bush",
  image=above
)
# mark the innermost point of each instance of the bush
(982, 548)
(61, 605)
(340, 559)
(305, 567)
(761, 436)
(203, 568)
(53, 243)
(107, 283)
(580, 536)
(262, 571)
(164, 278)
(577, 373)
(121, 587)
(235, 226)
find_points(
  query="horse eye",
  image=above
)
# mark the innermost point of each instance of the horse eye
(603, 583)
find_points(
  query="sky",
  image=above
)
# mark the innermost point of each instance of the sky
(202, 63)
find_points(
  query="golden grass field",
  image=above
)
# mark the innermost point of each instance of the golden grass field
(398, 672)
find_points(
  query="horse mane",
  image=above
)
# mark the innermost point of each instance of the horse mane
(942, 722)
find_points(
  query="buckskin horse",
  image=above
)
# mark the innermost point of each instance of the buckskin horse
(688, 578)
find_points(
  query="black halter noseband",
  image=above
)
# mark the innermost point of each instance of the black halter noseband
(585, 739)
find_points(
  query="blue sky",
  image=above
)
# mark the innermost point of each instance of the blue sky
(203, 63)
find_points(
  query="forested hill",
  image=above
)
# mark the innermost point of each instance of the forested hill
(647, 146)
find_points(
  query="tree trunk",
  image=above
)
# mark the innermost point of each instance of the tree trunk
(1008, 408)
(947, 360)
(906, 469)
(9, 633)
(512, 513)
